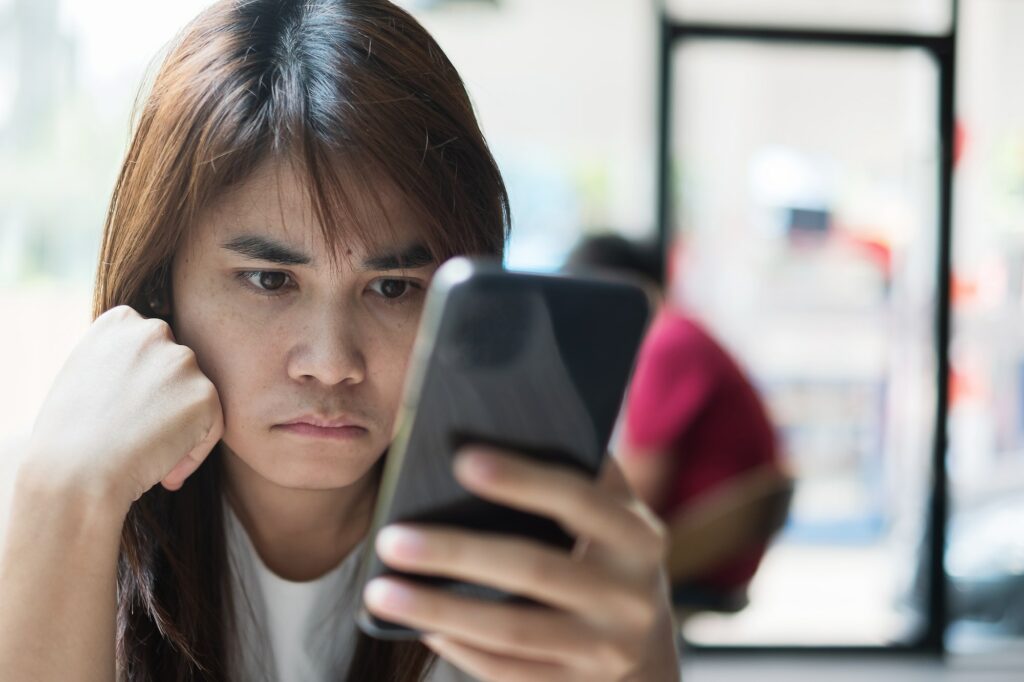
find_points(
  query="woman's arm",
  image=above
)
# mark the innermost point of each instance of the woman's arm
(130, 409)
(58, 563)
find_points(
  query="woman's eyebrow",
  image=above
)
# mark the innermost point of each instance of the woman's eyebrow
(408, 258)
(266, 249)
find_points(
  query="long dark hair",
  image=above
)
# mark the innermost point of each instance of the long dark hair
(356, 96)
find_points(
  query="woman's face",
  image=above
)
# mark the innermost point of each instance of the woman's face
(287, 337)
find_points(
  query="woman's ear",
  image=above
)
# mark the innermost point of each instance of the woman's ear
(158, 295)
(159, 304)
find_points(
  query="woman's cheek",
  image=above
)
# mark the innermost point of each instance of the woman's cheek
(233, 350)
(393, 363)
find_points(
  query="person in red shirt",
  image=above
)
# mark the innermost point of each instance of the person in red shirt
(696, 443)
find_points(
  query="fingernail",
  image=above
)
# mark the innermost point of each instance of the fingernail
(400, 543)
(475, 465)
(433, 641)
(387, 595)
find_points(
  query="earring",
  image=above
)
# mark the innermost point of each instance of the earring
(155, 302)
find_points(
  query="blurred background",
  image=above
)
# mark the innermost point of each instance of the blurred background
(804, 235)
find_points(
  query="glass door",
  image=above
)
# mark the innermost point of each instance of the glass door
(805, 183)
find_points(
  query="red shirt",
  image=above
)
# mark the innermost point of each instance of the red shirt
(690, 401)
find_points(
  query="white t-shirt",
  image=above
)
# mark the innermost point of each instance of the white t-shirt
(295, 631)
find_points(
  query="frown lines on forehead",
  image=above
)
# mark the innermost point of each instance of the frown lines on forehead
(257, 247)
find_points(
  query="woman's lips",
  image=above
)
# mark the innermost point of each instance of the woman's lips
(328, 432)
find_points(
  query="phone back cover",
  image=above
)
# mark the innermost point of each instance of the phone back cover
(537, 364)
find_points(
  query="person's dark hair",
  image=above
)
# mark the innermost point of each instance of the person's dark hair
(360, 100)
(615, 252)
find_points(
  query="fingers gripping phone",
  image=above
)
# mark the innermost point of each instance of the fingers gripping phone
(537, 364)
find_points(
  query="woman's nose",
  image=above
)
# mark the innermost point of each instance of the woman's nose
(329, 352)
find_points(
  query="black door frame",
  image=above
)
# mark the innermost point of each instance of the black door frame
(943, 49)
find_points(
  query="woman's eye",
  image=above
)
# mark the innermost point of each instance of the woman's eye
(266, 280)
(392, 288)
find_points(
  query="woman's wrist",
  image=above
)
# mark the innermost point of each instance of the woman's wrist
(96, 504)
(58, 571)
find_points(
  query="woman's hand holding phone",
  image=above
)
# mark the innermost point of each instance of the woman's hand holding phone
(129, 409)
(603, 610)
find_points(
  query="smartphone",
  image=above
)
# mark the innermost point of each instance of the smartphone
(537, 364)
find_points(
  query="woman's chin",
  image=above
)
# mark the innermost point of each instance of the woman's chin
(317, 477)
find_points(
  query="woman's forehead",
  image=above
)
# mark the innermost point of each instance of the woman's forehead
(275, 203)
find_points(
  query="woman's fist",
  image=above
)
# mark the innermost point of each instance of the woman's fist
(129, 409)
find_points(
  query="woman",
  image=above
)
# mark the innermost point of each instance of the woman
(297, 173)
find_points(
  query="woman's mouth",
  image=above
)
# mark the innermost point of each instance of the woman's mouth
(330, 432)
(341, 428)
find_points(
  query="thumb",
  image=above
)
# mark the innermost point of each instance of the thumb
(181, 471)
(188, 464)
